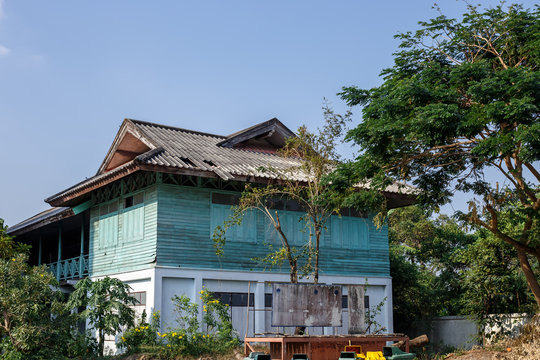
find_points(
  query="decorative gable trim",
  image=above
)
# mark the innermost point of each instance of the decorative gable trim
(130, 142)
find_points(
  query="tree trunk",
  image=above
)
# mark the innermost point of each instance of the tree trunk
(529, 275)
(294, 272)
(293, 264)
(101, 343)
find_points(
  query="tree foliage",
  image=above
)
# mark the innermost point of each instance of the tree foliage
(424, 265)
(304, 184)
(33, 323)
(8, 247)
(493, 282)
(107, 306)
(461, 100)
(440, 268)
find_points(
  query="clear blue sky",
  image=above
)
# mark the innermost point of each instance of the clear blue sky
(71, 71)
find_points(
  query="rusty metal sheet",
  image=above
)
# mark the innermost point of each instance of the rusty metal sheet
(357, 314)
(306, 305)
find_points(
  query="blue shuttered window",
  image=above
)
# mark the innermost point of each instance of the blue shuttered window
(293, 227)
(349, 233)
(108, 224)
(246, 232)
(133, 218)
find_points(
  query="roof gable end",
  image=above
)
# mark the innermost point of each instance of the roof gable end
(270, 135)
(129, 143)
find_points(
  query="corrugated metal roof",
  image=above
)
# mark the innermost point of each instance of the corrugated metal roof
(47, 216)
(199, 151)
(179, 149)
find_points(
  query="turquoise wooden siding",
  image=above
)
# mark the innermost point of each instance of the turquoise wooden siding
(245, 233)
(186, 219)
(125, 239)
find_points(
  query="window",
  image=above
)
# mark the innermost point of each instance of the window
(349, 232)
(225, 199)
(106, 209)
(221, 210)
(293, 205)
(268, 300)
(108, 224)
(133, 218)
(134, 200)
(140, 296)
(235, 299)
(345, 302)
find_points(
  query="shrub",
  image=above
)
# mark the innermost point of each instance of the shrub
(214, 335)
(33, 321)
(144, 334)
(82, 346)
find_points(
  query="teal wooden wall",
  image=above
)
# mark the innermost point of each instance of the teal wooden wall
(174, 224)
(186, 219)
(123, 239)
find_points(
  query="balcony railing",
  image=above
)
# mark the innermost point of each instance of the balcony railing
(73, 268)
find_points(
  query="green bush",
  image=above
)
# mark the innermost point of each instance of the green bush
(144, 334)
(213, 335)
(34, 323)
(82, 346)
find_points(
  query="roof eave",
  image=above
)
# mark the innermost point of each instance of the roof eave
(22, 229)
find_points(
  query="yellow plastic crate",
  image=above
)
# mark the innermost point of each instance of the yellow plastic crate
(375, 355)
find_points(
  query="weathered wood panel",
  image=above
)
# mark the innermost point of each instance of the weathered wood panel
(356, 309)
(306, 305)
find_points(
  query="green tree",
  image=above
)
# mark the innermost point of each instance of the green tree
(107, 306)
(33, 323)
(493, 282)
(461, 100)
(425, 266)
(8, 247)
(303, 183)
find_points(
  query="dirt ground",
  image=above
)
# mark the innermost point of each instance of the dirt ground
(527, 352)
(526, 346)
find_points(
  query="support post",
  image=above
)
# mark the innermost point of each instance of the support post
(39, 250)
(59, 266)
(81, 258)
(259, 308)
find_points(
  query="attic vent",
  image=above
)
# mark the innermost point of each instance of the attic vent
(209, 163)
(188, 162)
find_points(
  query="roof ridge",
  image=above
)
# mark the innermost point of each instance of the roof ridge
(142, 122)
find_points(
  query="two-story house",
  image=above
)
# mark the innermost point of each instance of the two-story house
(148, 215)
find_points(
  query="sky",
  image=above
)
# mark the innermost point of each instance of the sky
(71, 71)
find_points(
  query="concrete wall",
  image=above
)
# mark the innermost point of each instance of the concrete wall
(462, 332)
(455, 331)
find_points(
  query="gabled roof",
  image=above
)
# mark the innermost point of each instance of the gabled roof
(141, 145)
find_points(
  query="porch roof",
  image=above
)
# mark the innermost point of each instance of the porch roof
(39, 220)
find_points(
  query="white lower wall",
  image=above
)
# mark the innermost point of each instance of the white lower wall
(162, 283)
(258, 318)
